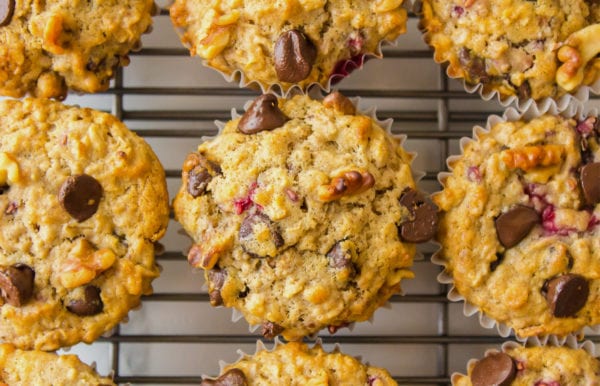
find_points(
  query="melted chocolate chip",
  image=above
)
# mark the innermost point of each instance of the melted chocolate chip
(424, 217)
(263, 114)
(80, 196)
(259, 248)
(294, 55)
(216, 279)
(91, 304)
(16, 284)
(7, 9)
(339, 257)
(270, 330)
(233, 377)
(567, 294)
(590, 182)
(474, 65)
(198, 179)
(496, 369)
(514, 225)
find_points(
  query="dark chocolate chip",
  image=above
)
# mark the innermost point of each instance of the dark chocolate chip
(294, 55)
(198, 179)
(250, 243)
(80, 196)
(16, 284)
(216, 279)
(423, 221)
(263, 114)
(270, 330)
(474, 65)
(590, 182)
(233, 377)
(497, 369)
(339, 257)
(91, 304)
(567, 294)
(7, 9)
(514, 225)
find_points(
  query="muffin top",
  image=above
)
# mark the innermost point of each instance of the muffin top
(303, 213)
(287, 42)
(519, 224)
(48, 47)
(296, 364)
(529, 49)
(82, 201)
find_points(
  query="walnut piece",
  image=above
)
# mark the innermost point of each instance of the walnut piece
(9, 169)
(530, 157)
(347, 184)
(84, 264)
(339, 103)
(580, 47)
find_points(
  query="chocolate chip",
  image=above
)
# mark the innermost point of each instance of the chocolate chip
(423, 221)
(474, 65)
(270, 330)
(233, 377)
(524, 91)
(497, 369)
(16, 284)
(567, 294)
(294, 55)
(80, 196)
(514, 225)
(216, 279)
(263, 114)
(339, 257)
(590, 182)
(251, 244)
(91, 304)
(198, 179)
(7, 9)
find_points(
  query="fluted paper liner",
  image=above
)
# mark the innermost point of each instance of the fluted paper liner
(511, 114)
(371, 112)
(570, 342)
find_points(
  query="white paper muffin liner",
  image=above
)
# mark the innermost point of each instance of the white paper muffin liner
(317, 94)
(346, 67)
(570, 342)
(511, 114)
(579, 96)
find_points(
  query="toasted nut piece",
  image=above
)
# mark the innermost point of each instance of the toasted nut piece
(580, 47)
(530, 157)
(215, 42)
(348, 184)
(9, 169)
(84, 264)
(52, 34)
(339, 103)
(206, 254)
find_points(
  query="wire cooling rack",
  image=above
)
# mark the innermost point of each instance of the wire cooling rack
(172, 101)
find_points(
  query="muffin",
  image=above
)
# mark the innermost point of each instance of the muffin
(296, 364)
(48, 47)
(304, 214)
(287, 43)
(25, 368)
(519, 228)
(83, 199)
(540, 366)
(527, 49)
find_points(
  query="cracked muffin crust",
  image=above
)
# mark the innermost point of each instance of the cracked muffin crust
(25, 368)
(537, 366)
(528, 49)
(519, 228)
(299, 224)
(83, 201)
(287, 42)
(48, 47)
(296, 363)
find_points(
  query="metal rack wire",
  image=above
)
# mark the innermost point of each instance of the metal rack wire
(433, 117)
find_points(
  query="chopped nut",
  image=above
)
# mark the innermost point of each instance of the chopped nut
(215, 42)
(84, 264)
(530, 157)
(339, 103)
(348, 184)
(9, 169)
(52, 34)
(580, 47)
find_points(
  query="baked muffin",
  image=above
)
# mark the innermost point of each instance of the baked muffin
(48, 47)
(83, 199)
(25, 368)
(285, 42)
(525, 366)
(528, 49)
(519, 225)
(304, 214)
(296, 364)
